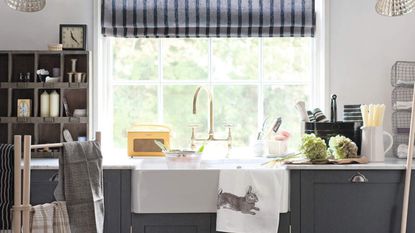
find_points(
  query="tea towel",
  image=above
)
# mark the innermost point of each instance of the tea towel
(81, 186)
(251, 200)
(6, 185)
(50, 218)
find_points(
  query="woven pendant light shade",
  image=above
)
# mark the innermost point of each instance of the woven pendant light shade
(394, 7)
(26, 5)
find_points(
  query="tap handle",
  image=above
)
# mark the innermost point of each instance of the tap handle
(193, 137)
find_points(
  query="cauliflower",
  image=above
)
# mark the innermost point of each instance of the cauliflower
(314, 148)
(342, 147)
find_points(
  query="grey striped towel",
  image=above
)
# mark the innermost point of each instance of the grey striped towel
(50, 218)
(6, 185)
(81, 186)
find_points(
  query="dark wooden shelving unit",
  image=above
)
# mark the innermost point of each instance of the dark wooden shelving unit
(42, 129)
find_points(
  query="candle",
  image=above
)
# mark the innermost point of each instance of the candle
(54, 104)
(44, 104)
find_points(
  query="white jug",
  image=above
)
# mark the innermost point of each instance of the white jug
(372, 143)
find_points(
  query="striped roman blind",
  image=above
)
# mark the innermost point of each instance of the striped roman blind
(208, 18)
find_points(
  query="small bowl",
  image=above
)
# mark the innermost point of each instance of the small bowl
(79, 113)
(183, 159)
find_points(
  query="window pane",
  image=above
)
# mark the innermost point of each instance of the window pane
(287, 59)
(235, 58)
(132, 105)
(178, 102)
(135, 59)
(238, 106)
(279, 101)
(185, 59)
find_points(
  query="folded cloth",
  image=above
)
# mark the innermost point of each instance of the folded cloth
(251, 200)
(81, 186)
(6, 185)
(403, 105)
(42, 218)
(403, 151)
(60, 218)
(405, 82)
(50, 218)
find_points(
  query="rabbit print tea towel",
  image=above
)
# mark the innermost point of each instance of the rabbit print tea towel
(251, 200)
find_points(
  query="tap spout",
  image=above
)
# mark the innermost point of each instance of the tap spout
(210, 102)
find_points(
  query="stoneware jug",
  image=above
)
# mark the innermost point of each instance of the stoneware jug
(372, 143)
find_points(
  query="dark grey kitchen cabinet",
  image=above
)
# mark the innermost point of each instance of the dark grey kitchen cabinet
(171, 223)
(332, 201)
(187, 223)
(117, 184)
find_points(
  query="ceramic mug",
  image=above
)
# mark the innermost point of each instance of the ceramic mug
(372, 143)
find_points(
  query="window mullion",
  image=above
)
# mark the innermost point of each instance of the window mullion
(261, 112)
(160, 90)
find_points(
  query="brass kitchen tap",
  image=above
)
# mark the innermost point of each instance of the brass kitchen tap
(211, 133)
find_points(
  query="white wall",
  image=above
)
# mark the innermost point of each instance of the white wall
(34, 31)
(363, 47)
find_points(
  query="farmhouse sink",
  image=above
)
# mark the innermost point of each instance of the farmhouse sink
(157, 189)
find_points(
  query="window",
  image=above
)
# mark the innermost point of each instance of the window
(153, 80)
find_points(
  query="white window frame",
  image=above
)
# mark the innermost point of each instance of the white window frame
(101, 102)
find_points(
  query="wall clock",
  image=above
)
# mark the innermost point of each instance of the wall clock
(72, 36)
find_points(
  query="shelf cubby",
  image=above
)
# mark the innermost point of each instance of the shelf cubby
(24, 129)
(4, 67)
(81, 65)
(76, 98)
(76, 130)
(49, 133)
(49, 91)
(22, 94)
(48, 61)
(4, 131)
(4, 102)
(23, 63)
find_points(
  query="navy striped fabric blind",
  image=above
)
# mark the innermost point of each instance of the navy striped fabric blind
(208, 18)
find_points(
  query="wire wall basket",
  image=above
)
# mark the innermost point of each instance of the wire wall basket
(402, 98)
(403, 74)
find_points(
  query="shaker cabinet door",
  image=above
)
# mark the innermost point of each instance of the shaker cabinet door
(171, 223)
(353, 202)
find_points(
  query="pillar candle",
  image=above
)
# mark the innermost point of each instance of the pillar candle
(54, 104)
(44, 104)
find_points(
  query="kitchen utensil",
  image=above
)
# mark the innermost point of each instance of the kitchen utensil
(277, 125)
(67, 135)
(161, 146)
(261, 133)
(372, 143)
(333, 113)
(300, 106)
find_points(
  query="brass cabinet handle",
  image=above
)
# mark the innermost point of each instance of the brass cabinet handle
(359, 178)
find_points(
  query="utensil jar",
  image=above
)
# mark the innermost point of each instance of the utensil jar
(372, 143)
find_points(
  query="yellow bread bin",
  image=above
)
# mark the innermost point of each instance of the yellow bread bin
(141, 139)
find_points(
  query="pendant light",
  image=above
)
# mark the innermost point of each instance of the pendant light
(26, 5)
(394, 7)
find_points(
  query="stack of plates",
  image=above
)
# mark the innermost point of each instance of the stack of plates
(352, 113)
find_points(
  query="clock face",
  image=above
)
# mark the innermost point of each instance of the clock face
(72, 37)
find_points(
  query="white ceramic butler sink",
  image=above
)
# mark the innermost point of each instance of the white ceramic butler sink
(174, 191)
(157, 189)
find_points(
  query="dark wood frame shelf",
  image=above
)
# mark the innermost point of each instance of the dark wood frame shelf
(42, 129)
